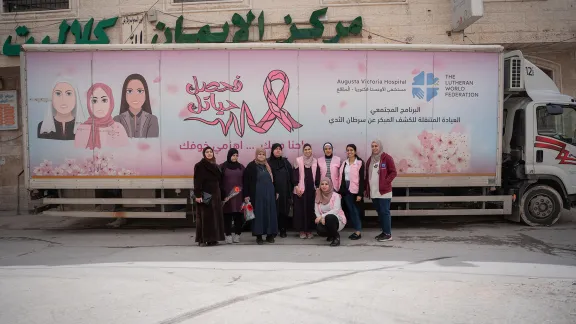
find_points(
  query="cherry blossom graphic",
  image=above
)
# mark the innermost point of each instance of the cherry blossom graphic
(437, 152)
(343, 103)
(174, 155)
(98, 164)
(184, 112)
(362, 67)
(323, 109)
(157, 79)
(142, 146)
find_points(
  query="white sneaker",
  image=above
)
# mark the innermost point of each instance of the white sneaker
(228, 239)
(235, 238)
(117, 223)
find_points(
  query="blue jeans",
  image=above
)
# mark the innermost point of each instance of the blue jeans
(382, 206)
(353, 211)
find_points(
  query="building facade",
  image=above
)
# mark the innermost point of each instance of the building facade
(543, 29)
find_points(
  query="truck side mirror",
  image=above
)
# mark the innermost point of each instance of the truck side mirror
(554, 109)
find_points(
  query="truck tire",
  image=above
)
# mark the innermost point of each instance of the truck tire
(540, 206)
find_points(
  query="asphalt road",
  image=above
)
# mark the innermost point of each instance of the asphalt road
(435, 271)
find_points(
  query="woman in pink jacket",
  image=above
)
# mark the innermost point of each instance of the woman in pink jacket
(330, 165)
(352, 188)
(307, 175)
(330, 218)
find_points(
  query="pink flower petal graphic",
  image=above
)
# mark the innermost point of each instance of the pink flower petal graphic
(174, 155)
(143, 146)
(458, 128)
(172, 88)
(157, 79)
(343, 103)
(184, 112)
(323, 109)
(362, 67)
(415, 71)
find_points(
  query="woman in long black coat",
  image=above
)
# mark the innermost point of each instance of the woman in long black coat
(209, 218)
(258, 188)
(284, 184)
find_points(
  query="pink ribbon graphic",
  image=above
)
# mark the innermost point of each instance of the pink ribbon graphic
(275, 111)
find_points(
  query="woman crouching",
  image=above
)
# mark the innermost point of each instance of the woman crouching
(330, 218)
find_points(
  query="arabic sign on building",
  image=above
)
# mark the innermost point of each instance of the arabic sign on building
(465, 13)
(134, 31)
(8, 110)
(151, 113)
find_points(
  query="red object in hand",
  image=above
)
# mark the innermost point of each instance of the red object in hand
(237, 189)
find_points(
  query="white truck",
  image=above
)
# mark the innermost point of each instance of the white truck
(473, 131)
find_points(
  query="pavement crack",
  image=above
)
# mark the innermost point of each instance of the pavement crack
(195, 313)
(23, 238)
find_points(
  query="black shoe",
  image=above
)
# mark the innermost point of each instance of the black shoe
(270, 239)
(259, 240)
(335, 242)
(212, 243)
(379, 236)
(355, 236)
(384, 238)
(329, 238)
(283, 233)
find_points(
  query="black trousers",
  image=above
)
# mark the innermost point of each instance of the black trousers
(283, 221)
(238, 219)
(330, 229)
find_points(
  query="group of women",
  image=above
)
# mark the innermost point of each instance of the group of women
(317, 189)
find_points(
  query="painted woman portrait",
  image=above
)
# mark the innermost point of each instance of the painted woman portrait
(100, 130)
(135, 110)
(63, 115)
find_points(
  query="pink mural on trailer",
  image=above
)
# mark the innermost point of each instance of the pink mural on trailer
(146, 114)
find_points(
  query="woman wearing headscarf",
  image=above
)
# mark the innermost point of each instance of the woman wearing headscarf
(330, 218)
(352, 188)
(258, 188)
(307, 176)
(284, 184)
(380, 172)
(63, 115)
(330, 165)
(209, 219)
(232, 172)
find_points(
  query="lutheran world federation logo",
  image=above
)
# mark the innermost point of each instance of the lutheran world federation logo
(425, 85)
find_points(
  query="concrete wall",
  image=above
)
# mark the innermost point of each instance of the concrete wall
(544, 23)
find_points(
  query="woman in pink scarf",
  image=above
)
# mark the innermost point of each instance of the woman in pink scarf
(100, 130)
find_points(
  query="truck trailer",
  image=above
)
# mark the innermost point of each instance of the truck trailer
(115, 130)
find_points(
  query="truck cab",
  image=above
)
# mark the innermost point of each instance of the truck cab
(539, 143)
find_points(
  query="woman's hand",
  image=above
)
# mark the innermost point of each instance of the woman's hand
(247, 199)
(199, 200)
(317, 220)
(277, 195)
(323, 221)
(358, 198)
(298, 192)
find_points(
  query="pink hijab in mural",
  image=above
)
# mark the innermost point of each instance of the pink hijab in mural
(98, 122)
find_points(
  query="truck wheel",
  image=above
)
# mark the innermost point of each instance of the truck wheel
(540, 205)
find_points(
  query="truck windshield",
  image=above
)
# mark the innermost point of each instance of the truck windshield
(561, 127)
